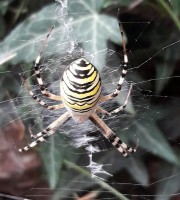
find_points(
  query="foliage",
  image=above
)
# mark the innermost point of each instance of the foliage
(94, 22)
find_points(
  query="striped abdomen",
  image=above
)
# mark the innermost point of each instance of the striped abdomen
(80, 88)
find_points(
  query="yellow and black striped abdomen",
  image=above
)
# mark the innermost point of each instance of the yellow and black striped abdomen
(80, 86)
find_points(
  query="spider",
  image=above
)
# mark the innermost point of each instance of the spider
(80, 88)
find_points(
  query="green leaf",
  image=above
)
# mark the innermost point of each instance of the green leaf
(134, 166)
(151, 138)
(8, 86)
(168, 186)
(96, 179)
(21, 41)
(93, 28)
(176, 6)
(79, 182)
(165, 70)
(2, 30)
(170, 11)
(90, 28)
(138, 171)
(170, 122)
(4, 6)
(117, 3)
(52, 162)
(53, 155)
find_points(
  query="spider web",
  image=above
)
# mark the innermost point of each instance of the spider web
(100, 171)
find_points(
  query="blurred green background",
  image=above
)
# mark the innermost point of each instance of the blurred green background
(56, 169)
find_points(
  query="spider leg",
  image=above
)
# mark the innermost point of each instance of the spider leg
(44, 91)
(121, 108)
(124, 70)
(111, 136)
(31, 134)
(102, 111)
(38, 100)
(50, 130)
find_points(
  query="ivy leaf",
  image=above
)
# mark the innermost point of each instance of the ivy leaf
(21, 41)
(53, 155)
(79, 182)
(52, 164)
(90, 28)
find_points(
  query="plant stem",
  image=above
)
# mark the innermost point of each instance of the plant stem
(170, 12)
(99, 181)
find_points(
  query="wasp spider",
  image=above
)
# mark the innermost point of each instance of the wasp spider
(80, 87)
